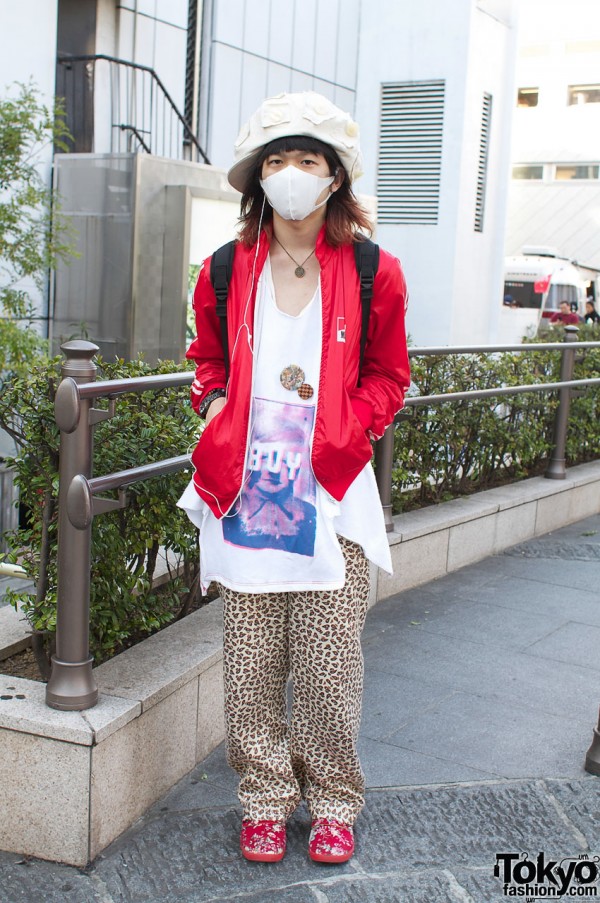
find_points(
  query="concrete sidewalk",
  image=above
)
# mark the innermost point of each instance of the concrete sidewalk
(481, 695)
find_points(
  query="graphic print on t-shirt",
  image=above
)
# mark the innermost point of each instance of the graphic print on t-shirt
(277, 504)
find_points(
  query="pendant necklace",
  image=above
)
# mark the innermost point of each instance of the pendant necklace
(299, 271)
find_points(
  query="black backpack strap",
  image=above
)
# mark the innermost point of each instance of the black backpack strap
(221, 268)
(366, 253)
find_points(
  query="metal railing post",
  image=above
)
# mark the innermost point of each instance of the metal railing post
(384, 461)
(72, 685)
(556, 465)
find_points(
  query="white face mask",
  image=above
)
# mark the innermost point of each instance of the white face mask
(292, 193)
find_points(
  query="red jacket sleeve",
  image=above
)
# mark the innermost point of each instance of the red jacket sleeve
(207, 349)
(385, 374)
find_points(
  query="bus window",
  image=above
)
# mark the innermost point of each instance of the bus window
(522, 295)
(557, 294)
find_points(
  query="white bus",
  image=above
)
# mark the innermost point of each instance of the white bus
(535, 284)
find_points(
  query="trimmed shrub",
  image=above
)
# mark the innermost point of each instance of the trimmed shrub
(125, 544)
(456, 448)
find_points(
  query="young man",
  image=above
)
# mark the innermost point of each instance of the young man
(565, 315)
(283, 490)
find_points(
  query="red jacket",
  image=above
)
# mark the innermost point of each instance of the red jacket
(348, 415)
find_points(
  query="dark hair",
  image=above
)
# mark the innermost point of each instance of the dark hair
(344, 215)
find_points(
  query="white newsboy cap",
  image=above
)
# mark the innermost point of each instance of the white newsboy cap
(306, 113)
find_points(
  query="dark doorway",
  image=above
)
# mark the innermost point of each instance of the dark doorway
(76, 36)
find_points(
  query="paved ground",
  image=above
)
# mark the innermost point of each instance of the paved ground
(482, 692)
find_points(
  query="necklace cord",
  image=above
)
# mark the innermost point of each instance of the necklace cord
(290, 256)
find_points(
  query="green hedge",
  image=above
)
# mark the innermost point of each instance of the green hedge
(125, 544)
(454, 449)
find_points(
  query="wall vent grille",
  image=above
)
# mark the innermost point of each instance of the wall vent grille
(482, 168)
(410, 152)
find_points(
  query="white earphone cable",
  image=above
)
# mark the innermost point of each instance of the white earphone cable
(244, 326)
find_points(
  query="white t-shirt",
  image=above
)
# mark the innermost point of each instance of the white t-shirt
(281, 533)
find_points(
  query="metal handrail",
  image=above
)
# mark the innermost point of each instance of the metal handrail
(498, 391)
(492, 349)
(66, 58)
(135, 132)
(135, 474)
(71, 684)
(108, 388)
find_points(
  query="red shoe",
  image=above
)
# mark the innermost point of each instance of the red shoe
(262, 841)
(330, 841)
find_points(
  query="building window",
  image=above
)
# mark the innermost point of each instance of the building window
(410, 152)
(484, 150)
(528, 171)
(528, 97)
(576, 171)
(583, 94)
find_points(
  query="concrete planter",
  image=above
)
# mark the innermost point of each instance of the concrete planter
(434, 541)
(71, 782)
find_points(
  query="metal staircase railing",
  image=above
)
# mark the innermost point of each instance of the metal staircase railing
(116, 106)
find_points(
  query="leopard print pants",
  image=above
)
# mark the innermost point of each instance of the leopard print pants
(315, 637)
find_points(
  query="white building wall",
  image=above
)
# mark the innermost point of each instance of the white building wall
(479, 256)
(418, 43)
(151, 33)
(556, 51)
(107, 31)
(452, 271)
(256, 48)
(154, 33)
(29, 53)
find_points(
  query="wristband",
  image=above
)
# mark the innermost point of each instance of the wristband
(208, 400)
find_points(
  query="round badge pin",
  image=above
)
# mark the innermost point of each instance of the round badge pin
(292, 377)
(306, 391)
